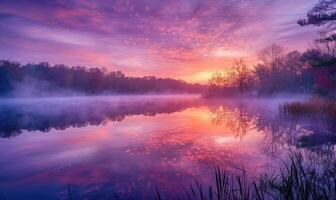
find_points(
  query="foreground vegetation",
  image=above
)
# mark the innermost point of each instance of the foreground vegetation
(297, 179)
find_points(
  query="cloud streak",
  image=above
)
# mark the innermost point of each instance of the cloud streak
(178, 38)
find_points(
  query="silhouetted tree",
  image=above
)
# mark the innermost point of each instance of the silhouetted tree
(292, 69)
(241, 75)
(277, 72)
(263, 76)
(216, 83)
(272, 57)
(322, 14)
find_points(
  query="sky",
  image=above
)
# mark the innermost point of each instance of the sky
(184, 39)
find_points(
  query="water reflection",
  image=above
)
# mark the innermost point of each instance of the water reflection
(280, 131)
(44, 114)
(127, 145)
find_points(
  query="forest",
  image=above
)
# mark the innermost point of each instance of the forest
(42, 79)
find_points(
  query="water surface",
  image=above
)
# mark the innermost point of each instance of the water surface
(130, 144)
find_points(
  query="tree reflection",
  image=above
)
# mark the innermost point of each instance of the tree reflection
(280, 132)
(59, 115)
(236, 120)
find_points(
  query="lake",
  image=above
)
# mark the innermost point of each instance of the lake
(130, 144)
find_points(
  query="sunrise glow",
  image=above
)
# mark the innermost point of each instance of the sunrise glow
(180, 39)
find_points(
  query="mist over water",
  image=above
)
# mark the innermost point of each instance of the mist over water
(42, 114)
(129, 144)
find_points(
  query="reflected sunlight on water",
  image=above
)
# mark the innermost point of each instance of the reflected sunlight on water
(100, 147)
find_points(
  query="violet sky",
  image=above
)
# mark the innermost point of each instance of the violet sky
(187, 39)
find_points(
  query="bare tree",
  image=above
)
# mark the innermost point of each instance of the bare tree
(216, 83)
(292, 61)
(292, 69)
(241, 75)
(272, 57)
(262, 74)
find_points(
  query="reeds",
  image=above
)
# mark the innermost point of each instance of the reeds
(311, 107)
(295, 180)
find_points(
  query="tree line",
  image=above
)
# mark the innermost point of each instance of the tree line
(43, 76)
(311, 71)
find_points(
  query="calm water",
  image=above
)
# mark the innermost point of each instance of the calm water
(129, 145)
